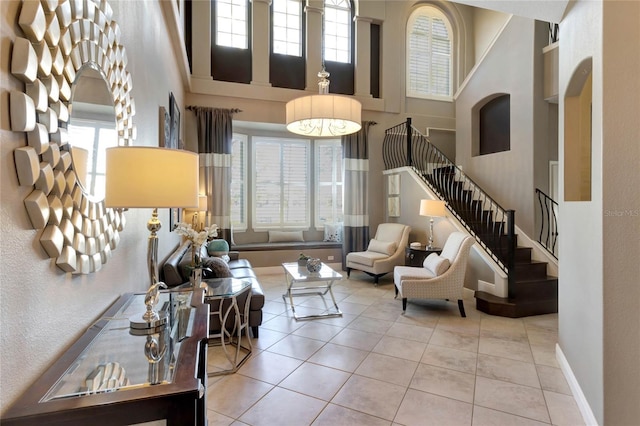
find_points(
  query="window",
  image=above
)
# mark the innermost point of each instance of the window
(328, 182)
(287, 27)
(429, 58)
(239, 182)
(281, 183)
(91, 137)
(231, 23)
(337, 31)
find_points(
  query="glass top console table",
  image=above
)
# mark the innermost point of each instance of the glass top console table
(301, 282)
(113, 376)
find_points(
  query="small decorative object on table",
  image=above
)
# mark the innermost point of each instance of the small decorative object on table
(197, 240)
(314, 265)
(302, 259)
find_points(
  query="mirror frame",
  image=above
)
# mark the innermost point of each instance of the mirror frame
(61, 37)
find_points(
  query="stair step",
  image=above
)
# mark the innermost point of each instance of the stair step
(539, 289)
(529, 271)
(493, 305)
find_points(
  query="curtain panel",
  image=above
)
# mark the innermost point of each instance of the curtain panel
(355, 154)
(215, 134)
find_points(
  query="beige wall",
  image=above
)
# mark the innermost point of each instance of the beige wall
(486, 25)
(42, 309)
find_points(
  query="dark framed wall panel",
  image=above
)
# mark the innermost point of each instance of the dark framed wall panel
(229, 63)
(375, 60)
(495, 125)
(287, 71)
(342, 81)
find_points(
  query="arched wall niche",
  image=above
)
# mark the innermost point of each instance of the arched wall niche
(60, 38)
(577, 134)
(475, 120)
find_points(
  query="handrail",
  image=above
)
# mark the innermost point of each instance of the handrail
(480, 214)
(548, 223)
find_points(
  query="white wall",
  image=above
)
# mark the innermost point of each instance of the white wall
(486, 26)
(42, 309)
(599, 310)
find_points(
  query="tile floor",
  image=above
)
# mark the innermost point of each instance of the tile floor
(375, 366)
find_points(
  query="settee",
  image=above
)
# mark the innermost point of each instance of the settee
(175, 272)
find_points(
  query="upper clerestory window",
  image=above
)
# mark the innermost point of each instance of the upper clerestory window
(232, 23)
(429, 54)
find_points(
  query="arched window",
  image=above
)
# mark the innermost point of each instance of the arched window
(429, 54)
(337, 31)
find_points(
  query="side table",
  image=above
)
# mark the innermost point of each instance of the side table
(416, 256)
(226, 292)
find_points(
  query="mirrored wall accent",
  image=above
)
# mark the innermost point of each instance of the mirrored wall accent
(76, 102)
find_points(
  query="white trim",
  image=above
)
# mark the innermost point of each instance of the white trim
(439, 129)
(578, 395)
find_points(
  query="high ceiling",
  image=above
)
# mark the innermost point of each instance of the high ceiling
(542, 10)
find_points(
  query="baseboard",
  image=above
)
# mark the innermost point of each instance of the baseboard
(578, 395)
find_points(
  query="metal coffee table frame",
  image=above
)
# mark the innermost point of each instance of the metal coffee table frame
(318, 284)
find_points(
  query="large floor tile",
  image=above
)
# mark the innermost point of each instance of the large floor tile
(545, 355)
(410, 332)
(296, 346)
(563, 409)
(318, 331)
(454, 359)
(334, 415)
(400, 348)
(511, 398)
(370, 396)
(269, 367)
(315, 380)
(425, 409)
(388, 369)
(357, 339)
(519, 351)
(508, 370)
(283, 324)
(552, 379)
(267, 338)
(444, 382)
(371, 325)
(455, 340)
(282, 406)
(340, 357)
(217, 419)
(459, 324)
(487, 417)
(235, 394)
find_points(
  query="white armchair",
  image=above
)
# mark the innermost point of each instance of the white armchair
(441, 277)
(385, 251)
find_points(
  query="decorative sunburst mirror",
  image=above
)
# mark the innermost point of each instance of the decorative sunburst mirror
(65, 40)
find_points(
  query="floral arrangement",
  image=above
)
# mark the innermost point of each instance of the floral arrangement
(197, 238)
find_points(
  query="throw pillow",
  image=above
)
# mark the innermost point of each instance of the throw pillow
(383, 247)
(436, 264)
(333, 232)
(218, 267)
(285, 237)
(218, 247)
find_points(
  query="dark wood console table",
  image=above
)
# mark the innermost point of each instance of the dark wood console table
(163, 374)
(415, 256)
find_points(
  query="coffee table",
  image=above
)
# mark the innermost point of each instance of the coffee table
(313, 284)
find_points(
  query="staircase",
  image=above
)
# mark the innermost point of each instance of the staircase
(531, 291)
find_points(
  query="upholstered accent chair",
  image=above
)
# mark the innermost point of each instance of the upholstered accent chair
(385, 251)
(440, 277)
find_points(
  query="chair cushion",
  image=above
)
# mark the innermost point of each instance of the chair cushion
(410, 272)
(286, 237)
(384, 247)
(365, 257)
(218, 247)
(452, 245)
(436, 264)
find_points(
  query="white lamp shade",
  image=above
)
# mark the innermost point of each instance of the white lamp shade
(433, 208)
(202, 204)
(138, 177)
(323, 115)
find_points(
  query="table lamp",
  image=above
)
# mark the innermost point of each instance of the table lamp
(432, 208)
(150, 177)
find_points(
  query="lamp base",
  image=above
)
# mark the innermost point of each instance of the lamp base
(140, 326)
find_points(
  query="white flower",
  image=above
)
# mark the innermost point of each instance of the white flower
(197, 238)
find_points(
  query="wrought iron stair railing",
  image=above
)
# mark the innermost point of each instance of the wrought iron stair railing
(492, 226)
(548, 236)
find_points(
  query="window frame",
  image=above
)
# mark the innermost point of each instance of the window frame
(300, 29)
(431, 11)
(350, 30)
(247, 32)
(243, 139)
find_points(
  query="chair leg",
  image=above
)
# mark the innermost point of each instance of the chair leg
(461, 306)
(375, 279)
(348, 272)
(254, 331)
(396, 288)
(404, 304)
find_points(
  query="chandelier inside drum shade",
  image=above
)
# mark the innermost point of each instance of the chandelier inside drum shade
(323, 115)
